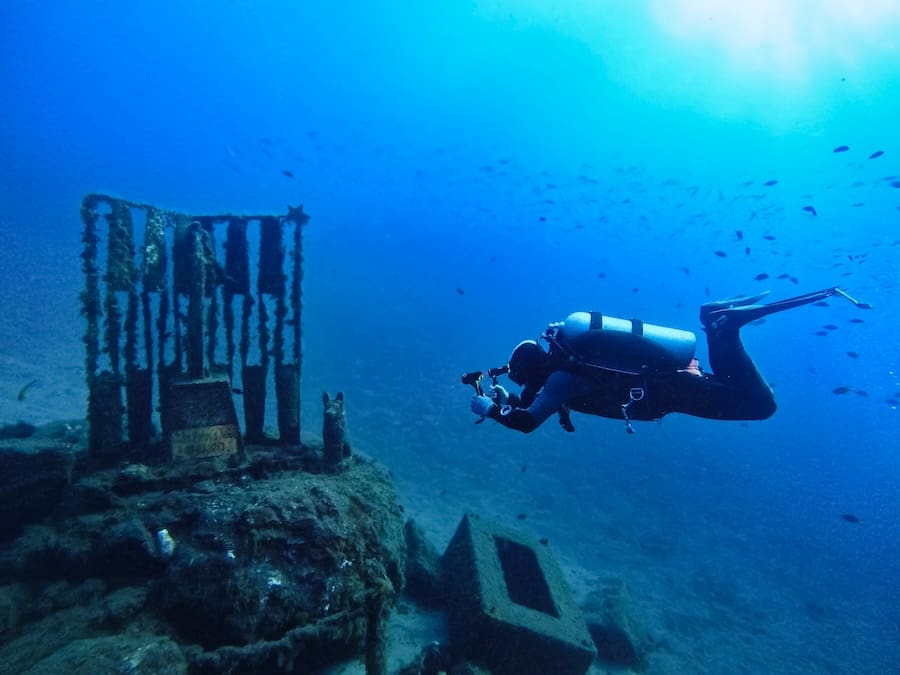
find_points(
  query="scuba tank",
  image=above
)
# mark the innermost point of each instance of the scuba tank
(622, 345)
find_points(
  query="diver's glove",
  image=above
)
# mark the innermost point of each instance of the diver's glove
(481, 405)
(499, 394)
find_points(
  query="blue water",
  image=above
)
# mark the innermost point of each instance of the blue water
(475, 170)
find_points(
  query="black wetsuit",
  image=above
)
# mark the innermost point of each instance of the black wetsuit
(734, 391)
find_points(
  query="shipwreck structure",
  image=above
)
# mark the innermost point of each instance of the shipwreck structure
(183, 313)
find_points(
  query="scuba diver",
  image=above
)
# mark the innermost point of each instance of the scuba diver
(631, 370)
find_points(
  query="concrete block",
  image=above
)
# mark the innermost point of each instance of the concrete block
(509, 606)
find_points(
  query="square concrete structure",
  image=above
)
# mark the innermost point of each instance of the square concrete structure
(509, 606)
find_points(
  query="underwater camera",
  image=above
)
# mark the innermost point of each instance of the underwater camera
(475, 377)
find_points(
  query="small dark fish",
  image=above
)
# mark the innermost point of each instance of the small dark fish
(289, 174)
(770, 183)
(543, 219)
(853, 355)
(601, 275)
(746, 250)
(521, 516)
(635, 290)
(841, 148)
(460, 291)
(769, 237)
(740, 235)
(686, 270)
(893, 401)
(864, 394)
(235, 390)
(856, 321)
(841, 390)
(821, 333)
(544, 541)
(895, 183)
(820, 303)
(877, 153)
(524, 468)
(721, 254)
(782, 276)
(810, 209)
(830, 326)
(761, 276)
(24, 390)
(850, 518)
(856, 205)
(795, 280)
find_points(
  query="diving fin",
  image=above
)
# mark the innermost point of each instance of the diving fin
(711, 309)
(738, 315)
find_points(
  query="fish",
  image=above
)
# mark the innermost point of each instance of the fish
(876, 154)
(761, 276)
(820, 303)
(841, 148)
(770, 183)
(850, 518)
(746, 250)
(739, 234)
(769, 237)
(810, 209)
(821, 333)
(795, 280)
(853, 355)
(686, 270)
(521, 516)
(863, 393)
(841, 390)
(895, 183)
(830, 326)
(721, 254)
(285, 172)
(893, 401)
(857, 321)
(460, 291)
(237, 390)
(782, 276)
(24, 390)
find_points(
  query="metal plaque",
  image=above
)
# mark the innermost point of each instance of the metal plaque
(216, 441)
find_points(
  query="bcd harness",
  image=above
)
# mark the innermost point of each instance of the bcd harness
(633, 394)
